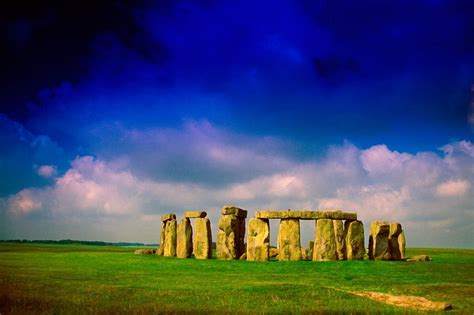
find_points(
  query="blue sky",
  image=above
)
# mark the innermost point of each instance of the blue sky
(195, 104)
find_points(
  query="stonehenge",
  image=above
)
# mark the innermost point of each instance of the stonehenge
(231, 235)
(338, 236)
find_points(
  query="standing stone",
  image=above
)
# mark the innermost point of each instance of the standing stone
(402, 243)
(228, 238)
(258, 240)
(231, 235)
(241, 248)
(170, 238)
(160, 250)
(325, 241)
(395, 231)
(339, 234)
(378, 241)
(202, 245)
(184, 246)
(309, 251)
(354, 240)
(289, 244)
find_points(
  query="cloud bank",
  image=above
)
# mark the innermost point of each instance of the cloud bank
(123, 195)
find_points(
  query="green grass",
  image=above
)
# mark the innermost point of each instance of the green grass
(97, 279)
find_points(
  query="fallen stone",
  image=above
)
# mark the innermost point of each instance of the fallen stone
(339, 235)
(419, 258)
(202, 245)
(167, 217)
(147, 251)
(354, 240)
(402, 243)
(258, 240)
(195, 214)
(306, 215)
(379, 240)
(416, 302)
(184, 243)
(243, 257)
(241, 213)
(169, 249)
(273, 252)
(324, 241)
(289, 244)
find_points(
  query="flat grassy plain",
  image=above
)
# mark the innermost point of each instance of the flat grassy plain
(36, 278)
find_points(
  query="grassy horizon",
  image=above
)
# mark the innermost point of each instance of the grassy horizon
(42, 278)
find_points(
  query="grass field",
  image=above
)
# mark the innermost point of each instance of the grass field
(97, 279)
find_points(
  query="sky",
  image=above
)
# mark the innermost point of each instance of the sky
(116, 113)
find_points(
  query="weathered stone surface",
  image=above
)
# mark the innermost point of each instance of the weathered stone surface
(170, 238)
(325, 241)
(402, 243)
(167, 217)
(195, 214)
(273, 252)
(395, 231)
(227, 238)
(289, 244)
(306, 215)
(419, 258)
(339, 235)
(304, 254)
(145, 251)
(383, 240)
(241, 213)
(202, 245)
(378, 241)
(354, 240)
(184, 245)
(309, 250)
(241, 247)
(159, 251)
(258, 240)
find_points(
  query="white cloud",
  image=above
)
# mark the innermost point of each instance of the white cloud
(376, 182)
(453, 188)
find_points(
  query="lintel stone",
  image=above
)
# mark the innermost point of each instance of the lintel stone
(240, 213)
(195, 214)
(306, 215)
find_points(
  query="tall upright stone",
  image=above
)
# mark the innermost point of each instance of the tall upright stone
(160, 250)
(202, 245)
(258, 240)
(339, 235)
(354, 240)
(227, 238)
(395, 231)
(184, 246)
(402, 243)
(324, 241)
(170, 238)
(289, 244)
(231, 234)
(378, 241)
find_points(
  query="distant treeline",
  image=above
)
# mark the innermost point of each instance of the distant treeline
(99, 243)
